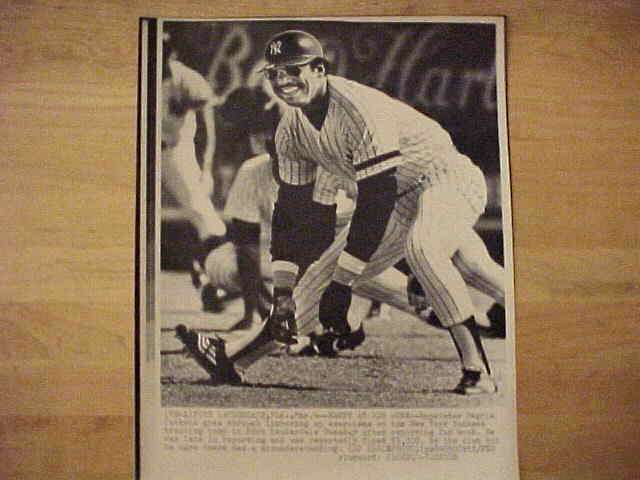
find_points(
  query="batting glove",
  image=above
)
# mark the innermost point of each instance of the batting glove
(334, 307)
(282, 319)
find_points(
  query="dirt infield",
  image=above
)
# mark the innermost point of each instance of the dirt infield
(403, 363)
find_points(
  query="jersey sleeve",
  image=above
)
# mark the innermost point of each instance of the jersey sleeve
(293, 168)
(372, 138)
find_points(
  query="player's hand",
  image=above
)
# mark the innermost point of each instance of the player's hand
(334, 308)
(206, 181)
(282, 319)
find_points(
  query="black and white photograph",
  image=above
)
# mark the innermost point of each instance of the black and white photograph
(325, 248)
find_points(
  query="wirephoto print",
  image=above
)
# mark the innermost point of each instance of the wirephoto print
(325, 271)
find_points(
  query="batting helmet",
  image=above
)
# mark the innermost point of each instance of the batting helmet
(292, 47)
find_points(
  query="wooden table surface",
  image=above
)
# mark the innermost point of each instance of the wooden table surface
(68, 121)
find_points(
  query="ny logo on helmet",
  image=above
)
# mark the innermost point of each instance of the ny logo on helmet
(275, 48)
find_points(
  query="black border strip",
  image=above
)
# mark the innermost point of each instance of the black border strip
(148, 136)
(136, 360)
(152, 72)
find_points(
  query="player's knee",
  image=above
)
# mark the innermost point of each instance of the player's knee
(423, 245)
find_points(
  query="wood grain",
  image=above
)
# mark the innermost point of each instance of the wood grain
(68, 122)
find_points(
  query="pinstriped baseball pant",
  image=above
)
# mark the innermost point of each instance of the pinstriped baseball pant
(442, 249)
(388, 286)
(446, 255)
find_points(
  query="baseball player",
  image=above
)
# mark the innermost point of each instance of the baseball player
(417, 197)
(236, 266)
(185, 95)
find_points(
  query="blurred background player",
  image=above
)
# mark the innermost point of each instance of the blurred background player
(241, 265)
(187, 97)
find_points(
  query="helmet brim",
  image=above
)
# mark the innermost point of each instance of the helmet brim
(300, 60)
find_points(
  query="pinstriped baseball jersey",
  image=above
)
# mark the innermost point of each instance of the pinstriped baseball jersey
(366, 132)
(327, 186)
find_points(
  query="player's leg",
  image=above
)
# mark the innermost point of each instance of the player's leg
(315, 280)
(370, 284)
(212, 352)
(442, 215)
(306, 295)
(477, 267)
(377, 282)
(246, 347)
(388, 287)
(181, 175)
(484, 274)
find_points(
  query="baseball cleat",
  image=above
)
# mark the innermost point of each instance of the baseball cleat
(209, 353)
(328, 344)
(475, 383)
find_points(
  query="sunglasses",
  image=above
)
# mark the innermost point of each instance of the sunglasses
(290, 70)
